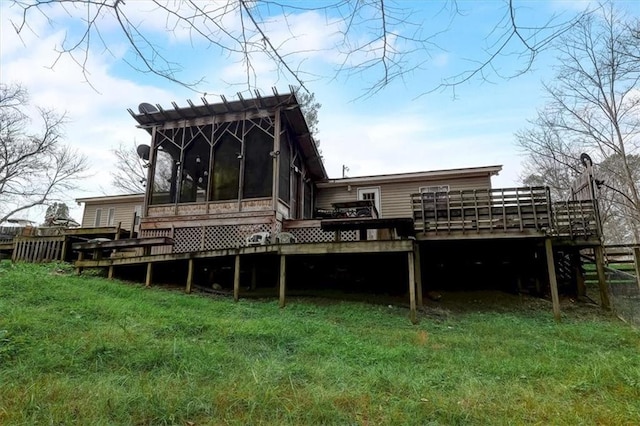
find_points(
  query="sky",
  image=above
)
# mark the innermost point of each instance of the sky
(408, 125)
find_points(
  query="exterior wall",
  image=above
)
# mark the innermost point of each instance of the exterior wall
(123, 213)
(395, 197)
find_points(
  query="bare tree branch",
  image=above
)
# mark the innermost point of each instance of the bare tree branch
(378, 41)
(35, 168)
(594, 107)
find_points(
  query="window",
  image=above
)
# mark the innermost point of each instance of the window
(166, 161)
(98, 219)
(226, 169)
(258, 164)
(111, 216)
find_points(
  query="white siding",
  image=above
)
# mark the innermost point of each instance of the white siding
(122, 212)
(395, 197)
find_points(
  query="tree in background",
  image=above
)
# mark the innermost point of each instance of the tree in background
(375, 41)
(594, 107)
(310, 108)
(35, 167)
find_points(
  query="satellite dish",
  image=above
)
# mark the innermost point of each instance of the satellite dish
(146, 108)
(143, 151)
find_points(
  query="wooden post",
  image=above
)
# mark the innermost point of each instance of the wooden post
(80, 257)
(110, 273)
(254, 275)
(581, 288)
(147, 281)
(236, 279)
(189, 277)
(275, 185)
(412, 288)
(553, 282)
(418, 269)
(636, 260)
(282, 280)
(602, 278)
(133, 222)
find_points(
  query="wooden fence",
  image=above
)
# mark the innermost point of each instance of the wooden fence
(39, 249)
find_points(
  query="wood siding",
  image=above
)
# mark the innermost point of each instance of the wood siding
(123, 213)
(395, 197)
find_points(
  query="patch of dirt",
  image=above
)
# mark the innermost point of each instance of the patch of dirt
(451, 303)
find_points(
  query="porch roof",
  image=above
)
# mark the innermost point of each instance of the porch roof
(288, 103)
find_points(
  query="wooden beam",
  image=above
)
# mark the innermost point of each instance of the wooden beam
(236, 279)
(189, 277)
(418, 269)
(602, 278)
(412, 288)
(149, 276)
(282, 279)
(110, 273)
(344, 247)
(553, 282)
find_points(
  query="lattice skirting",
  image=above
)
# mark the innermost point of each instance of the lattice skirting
(204, 238)
(317, 235)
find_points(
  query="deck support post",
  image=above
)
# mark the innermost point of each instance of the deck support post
(412, 288)
(602, 278)
(581, 288)
(80, 257)
(110, 273)
(254, 275)
(189, 277)
(553, 282)
(418, 272)
(236, 279)
(149, 276)
(636, 261)
(63, 251)
(282, 279)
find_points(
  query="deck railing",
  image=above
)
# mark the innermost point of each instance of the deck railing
(483, 210)
(507, 210)
(575, 219)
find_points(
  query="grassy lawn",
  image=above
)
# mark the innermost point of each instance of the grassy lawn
(84, 350)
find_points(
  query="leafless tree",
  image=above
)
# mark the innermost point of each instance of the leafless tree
(129, 174)
(382, 40)
(594, 107)
(35, 168)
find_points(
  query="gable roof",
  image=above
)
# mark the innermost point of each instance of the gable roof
(413, 176)
(288, 103)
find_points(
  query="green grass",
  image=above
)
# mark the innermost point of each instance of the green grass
(84, 350)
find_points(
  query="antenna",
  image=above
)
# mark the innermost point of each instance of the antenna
(345, 169)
